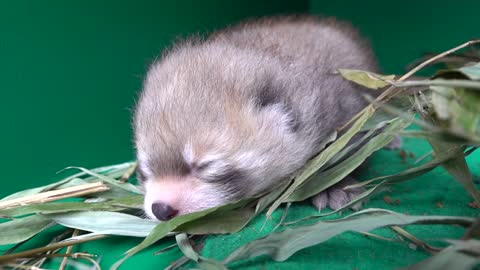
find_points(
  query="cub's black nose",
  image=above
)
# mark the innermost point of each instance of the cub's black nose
(163, 211)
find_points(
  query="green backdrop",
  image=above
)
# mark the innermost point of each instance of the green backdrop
(403, 30)
(70, 72)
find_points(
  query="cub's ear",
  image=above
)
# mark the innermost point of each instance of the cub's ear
(268, 95)
(272, 102)
(283, 115)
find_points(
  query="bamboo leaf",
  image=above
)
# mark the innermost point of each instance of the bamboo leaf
(219, 222)
(471, 72)
(280, 246)
(437, 130)
(316, 163)
(18, 230)
(387, 180)
(103, 222)
(125, 186)
(462, 255)
(441, 101)
(183, 243)
(473, 231)
(162, 229)
(178, 263)
(410, 173)
(457, 166)
(325, 179)
(439, 135)
(365, 78)
(58, 185)
(121, 203)
(269, 198)
(473, 85)
(74, 180)
(351, 148)
(459, 105)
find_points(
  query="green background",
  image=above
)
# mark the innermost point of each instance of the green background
(70, 72)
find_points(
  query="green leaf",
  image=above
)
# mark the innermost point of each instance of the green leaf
(441, 97)
(316, 163)
(473, 85)
(351, 148)
(280, 246)
(436, 129)
(176, 264)
(387, 180)
(402, 102)
(19, 230)
(103, 222)
(121, 203)
(457, 166)
(164, 228)
(411, 173)
(57, 185)
(457, 108)
(125, 186)
(269, 198)
(473, 231)
(219, 222)
(365, 78)
(439, 135)
(462, 255)
(471, 72)
(73, 180)
(325, 179)
(464, 121)
(183, 243)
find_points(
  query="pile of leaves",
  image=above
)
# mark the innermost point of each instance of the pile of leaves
(445, 108)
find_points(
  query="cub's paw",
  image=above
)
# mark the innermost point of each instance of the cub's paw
(395, 144)
(336, 196)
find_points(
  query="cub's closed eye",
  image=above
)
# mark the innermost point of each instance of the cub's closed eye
(215, 171)
(199, 167)
(199, 170)
(228, 176)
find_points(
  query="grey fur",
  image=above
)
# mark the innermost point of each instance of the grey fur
(253, 103)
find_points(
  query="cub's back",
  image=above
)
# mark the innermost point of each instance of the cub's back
(310, 50)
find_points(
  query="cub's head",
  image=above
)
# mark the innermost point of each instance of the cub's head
(212, 127)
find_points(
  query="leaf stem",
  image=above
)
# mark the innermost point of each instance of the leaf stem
(408, 75)
(69, 250)
(430, 249)
(129, 173)
(54, 195)
(36, 251)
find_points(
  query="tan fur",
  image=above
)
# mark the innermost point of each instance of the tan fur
(243, 110)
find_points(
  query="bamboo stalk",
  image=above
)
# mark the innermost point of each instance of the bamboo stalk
(54, 195)
(430, 249)
(37, 251)
(63, 265)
